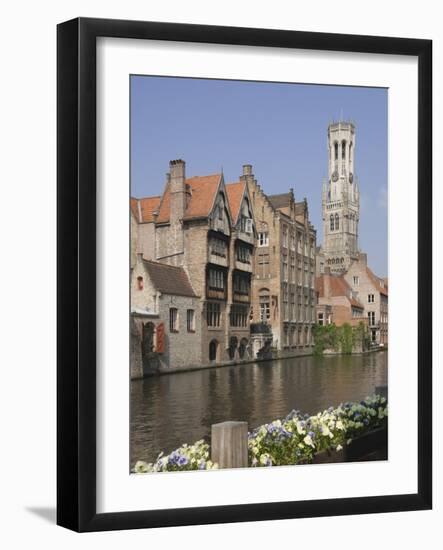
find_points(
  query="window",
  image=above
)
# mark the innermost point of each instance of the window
(331, 222)
(336, 151)
(356, 280)
(293, 313)
(190, 320)
(285, 237)
(243, 254)
(213, 348)
(337, 222)
(292, 241)
(320, 319)
(213, 314)
(343, 149)
(285, 303)
(216, 279)
(265, 309)
(263, 238)
(285, 268)
(241, 283)
(263, 265)
(370, 298)
(246, 225)
(371, 318)
(217, 247)
(239, 316)
(173, 319)
(140, 284)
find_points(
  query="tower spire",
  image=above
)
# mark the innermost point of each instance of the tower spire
(340, 198)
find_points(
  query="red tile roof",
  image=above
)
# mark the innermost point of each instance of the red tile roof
(337, 287)
(144, 208)
(377, 282)
(169, 279)
(148, 206)
(202, 196)
(235, 193)
(134, 208)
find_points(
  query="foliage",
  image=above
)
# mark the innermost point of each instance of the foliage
(344, 339)
(297, 438)
(325, 337)
(187, 457)
(293, 440)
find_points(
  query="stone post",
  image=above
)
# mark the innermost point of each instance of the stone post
(229, 444)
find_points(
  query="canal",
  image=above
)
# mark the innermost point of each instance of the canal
(169, 410)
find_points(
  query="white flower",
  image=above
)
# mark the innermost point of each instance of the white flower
(338, 448)
(309, 441)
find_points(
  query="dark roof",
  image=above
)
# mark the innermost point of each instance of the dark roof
(169, 279)
(280, 201)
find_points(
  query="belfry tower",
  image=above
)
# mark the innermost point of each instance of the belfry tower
(340, 199)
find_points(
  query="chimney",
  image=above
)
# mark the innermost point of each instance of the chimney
(247, 173)
(177, 189)
(327, 282)
(363, 258)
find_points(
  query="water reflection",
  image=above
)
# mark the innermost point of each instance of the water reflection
(167, 411)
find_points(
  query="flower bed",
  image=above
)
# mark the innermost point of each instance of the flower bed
(295, 439)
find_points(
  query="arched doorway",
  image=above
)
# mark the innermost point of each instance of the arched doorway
(149, 355)
(233, 343)
(148, 338)
(213, 350)
(242, 350)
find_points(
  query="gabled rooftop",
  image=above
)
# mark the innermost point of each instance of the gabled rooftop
(169, 279)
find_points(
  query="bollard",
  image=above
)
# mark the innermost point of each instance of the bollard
(229, 444)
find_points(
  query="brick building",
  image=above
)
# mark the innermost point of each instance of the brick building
(372, 292)
(283, 294)
(165, 318)
(207, 229)
(337, 302)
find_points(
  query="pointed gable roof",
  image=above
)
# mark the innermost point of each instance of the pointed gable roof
(235, 192)
(202, 190)
(377, 282)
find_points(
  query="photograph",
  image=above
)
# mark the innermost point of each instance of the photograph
(258, 274)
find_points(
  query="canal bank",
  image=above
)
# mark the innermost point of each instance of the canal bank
(291, 355)
(167, 411)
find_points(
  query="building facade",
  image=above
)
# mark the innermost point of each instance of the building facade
(372, 292)
(207, 229)
(165, 318)
(337, 302)
(283, 293)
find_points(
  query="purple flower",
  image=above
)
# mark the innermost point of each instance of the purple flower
(182, 461)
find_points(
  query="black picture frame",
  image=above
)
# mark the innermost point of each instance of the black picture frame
(76, 264)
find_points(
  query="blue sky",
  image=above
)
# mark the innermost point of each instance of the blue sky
(279, 128)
